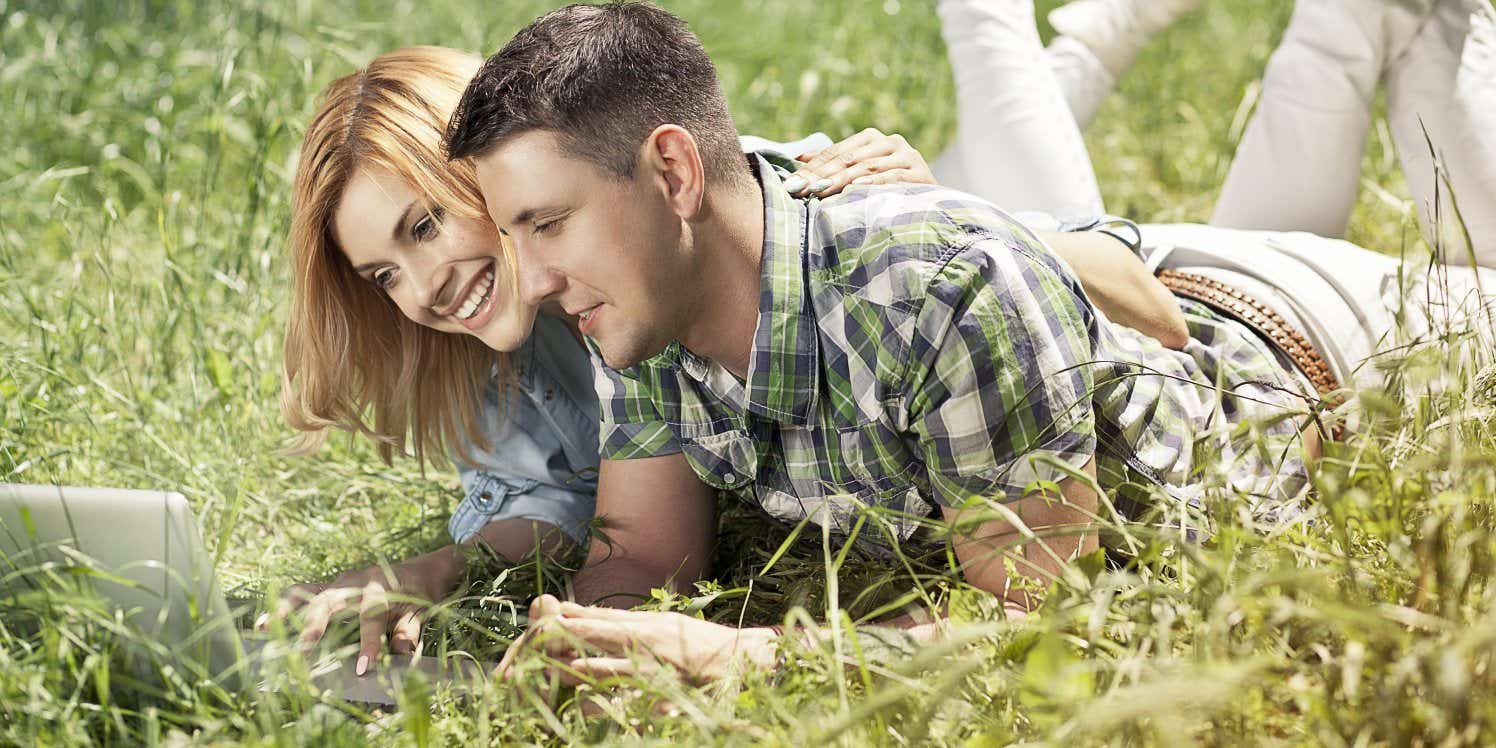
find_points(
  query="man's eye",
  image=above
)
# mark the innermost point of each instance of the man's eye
(384, 279)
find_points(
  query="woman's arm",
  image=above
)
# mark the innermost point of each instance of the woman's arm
(392, 599)
(1120, 285)
(1113, 277)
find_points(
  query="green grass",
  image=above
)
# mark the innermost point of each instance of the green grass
(143, 204)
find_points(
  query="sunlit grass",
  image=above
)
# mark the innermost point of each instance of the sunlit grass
(143, 202)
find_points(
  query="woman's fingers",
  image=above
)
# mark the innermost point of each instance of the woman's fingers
(373, 617)
(405, 635)
(856, 162)
(506, 663)
(544, 606)
(833, 157)
(319, 612)
(573, 610)
(290, 601)
(892, 176)
(614, 637)
(820, 167)
(543, 610)
(866, 168)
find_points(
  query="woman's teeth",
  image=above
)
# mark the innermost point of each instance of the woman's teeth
(477, 297)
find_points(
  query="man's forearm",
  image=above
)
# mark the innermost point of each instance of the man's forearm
(1063, 527)
(621, 582)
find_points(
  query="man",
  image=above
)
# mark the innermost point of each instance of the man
(890, 354)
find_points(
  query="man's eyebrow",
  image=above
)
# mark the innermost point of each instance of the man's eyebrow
(527, 215)
(399, 230)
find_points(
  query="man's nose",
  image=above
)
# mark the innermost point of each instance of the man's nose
(537, 282)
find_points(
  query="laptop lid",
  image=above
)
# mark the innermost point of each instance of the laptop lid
(144, 551)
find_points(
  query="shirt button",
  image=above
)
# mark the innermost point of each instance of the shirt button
(728, 477)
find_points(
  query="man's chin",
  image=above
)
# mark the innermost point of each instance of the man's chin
(622, 355)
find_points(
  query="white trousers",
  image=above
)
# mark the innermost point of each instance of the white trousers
(1298, 166)
(1018, 145)
(1360, 309)
(1019, 110)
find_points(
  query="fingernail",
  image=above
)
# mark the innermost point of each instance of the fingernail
(262, 620)
(820, 185)
(361, 665)
(864, 179)
(795, 184)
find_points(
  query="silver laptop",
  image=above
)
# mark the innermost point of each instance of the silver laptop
(146, 556)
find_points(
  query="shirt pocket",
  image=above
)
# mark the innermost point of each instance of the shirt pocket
(876, 456)
(897, 511)
(724, 460)
(487, 498)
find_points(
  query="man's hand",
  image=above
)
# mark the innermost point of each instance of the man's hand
(869, 157)
(588, 642)
(389, 600)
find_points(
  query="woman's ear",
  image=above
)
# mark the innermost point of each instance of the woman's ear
(672, 161)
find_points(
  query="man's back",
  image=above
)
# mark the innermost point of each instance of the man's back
(916, 346)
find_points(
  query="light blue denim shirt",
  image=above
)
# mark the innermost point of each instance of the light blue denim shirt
(542, 455)
(541, 459)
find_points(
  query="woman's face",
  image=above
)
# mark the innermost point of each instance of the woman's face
(445, 272)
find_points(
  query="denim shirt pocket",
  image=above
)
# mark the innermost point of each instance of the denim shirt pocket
(725, 460)
(488, 496)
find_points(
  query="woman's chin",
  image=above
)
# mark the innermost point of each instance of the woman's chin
(505, 338)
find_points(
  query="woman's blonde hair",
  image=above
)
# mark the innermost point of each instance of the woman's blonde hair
(352, 360)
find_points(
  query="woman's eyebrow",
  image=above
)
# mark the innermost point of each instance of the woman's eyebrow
(404, 218)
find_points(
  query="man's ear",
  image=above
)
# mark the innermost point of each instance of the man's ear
(671, 160)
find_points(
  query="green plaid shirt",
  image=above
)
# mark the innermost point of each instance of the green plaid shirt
(917, 346)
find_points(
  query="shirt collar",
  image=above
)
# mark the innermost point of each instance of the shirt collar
(784, 365)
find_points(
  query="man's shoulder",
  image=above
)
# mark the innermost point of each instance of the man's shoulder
(888, 242)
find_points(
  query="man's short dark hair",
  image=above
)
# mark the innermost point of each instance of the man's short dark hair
(602, 77)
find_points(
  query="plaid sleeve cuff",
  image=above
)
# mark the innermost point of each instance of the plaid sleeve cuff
(629, 425)
(1061, 458)
(631, 441)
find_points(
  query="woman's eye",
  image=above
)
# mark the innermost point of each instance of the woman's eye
(384, 279)
(548, 227)
(426, 228)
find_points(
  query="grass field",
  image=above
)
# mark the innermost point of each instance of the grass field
(143, 206)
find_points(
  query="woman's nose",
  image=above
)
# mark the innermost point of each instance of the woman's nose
(432, 285)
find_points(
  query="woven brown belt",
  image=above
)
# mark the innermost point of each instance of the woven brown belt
(1254, 314)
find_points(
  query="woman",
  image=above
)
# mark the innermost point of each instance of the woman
(403, 306)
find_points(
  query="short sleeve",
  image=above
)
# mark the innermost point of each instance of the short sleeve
(999, 377)
(630, 425)
(522, 471)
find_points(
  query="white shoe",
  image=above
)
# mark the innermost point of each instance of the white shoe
(1116, 30)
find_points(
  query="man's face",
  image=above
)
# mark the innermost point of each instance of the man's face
(608, 250)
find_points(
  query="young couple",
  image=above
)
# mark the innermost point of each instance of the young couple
(898, 353)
